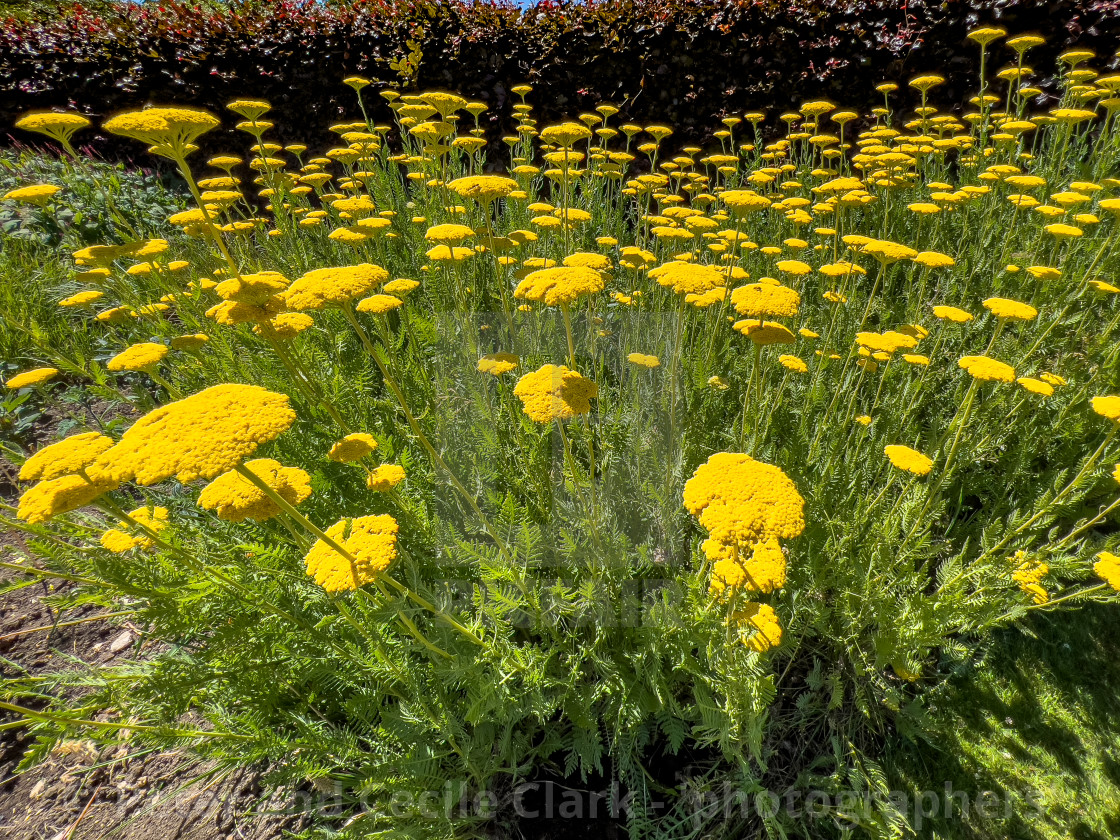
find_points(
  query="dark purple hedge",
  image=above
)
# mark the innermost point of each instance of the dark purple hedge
(685, 62)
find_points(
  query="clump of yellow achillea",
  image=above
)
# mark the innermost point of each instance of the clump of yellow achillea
(332, 286)
(497, 364)
(353, 447)
(200, 436)
(909, 460)
(234, 498)
(760, 623)
(152, 519)
(371, 542)
(746, 506)
(553, 392)
(760, 567)
(739, 499)
(61, 495)
(559, 286)
(67, 457)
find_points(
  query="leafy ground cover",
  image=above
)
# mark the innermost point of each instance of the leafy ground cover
(654, 466)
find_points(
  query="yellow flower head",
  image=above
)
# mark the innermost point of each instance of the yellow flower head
(286, 325)
(254, 289)
(794, 267)
(379, 304)
(1010, 309)
(483, 188)
(250, 109)
(1028, 574)
(31, 377)
(643, 360)
(385, 478)
(371, 542)
(449, 234)
(352, 447)
(559, 286)
(688, 278)
(138, 357)
(497, 364)
(400, 287)
(741, 500)
(555, 393)
(886, 342)
(1107, 407)
(794, 363)
(586, 259)
(235, 499)
(986, 34)
(566, 134)
(986, 369)
(926, 82)
(1107, 568)
(119, 541)
(60, 127)
(326, 286)
(1044, 272)
(757, 300)
(744, 202)
(170, 132)
(66, 457)
(231, 313)
(934, 259)
(81, 298)
(761, 622)
(1036, 386)
(60, 495)
(191, 342)
(200, 436)
(37, 194)
(910, 460)
(888, 252)
(952, 313)
(765, 333)
(760, 567)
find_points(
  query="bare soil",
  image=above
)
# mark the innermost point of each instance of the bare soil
(120, 791)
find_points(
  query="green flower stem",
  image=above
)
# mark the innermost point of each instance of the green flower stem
(32, 714)
(432, 608)
(1061, 494)
(198, 567)
(437, 460)
(409, 625)
(312, 528)
(215, 234)
(45, 573)
(1077, 593)
(1098, 518)
(588, 509)
(172, 391)
(586, 421)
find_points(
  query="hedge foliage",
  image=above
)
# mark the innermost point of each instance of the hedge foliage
(686, 62)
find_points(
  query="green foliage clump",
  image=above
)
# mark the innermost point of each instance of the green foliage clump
(699, 472)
